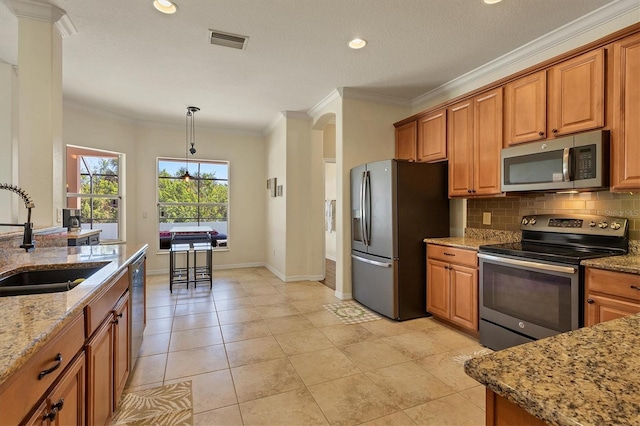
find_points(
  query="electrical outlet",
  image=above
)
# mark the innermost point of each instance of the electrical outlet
(486, 218)
(59, 215)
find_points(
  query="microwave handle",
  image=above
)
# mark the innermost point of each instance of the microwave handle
(565, 164)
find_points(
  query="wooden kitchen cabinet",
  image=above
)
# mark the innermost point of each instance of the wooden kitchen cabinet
(121, 349)
(66, 402)
(566, 98)
(29, 386)
(432, 136)
(452, 285)
(475, 140)
(406, 140)
(625, 140)
(525, 113)
(100, 357)
(107, 349)
(610, 295)
(576, 94)
(502, 412)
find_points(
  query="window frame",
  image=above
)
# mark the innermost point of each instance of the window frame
(85, 151)
(198, 220)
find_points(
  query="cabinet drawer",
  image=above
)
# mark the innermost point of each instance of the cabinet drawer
(27, 385)
(613, 283)
(99, 308)
(453, 255)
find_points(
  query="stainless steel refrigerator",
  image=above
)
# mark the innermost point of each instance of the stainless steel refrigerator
(395, 204)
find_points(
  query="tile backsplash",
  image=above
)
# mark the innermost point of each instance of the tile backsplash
(507, 212)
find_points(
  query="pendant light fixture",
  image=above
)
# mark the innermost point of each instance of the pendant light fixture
(190, 139)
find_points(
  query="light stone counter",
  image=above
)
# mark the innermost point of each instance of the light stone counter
(28, 322)
(588, 376)
(629, 263)
(460, 242)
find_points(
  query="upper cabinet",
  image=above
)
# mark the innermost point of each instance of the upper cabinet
(576, 94)
(475, 140)
(625, 128)
(525, 111)
(566, 98)
(432, 136)
(406, 137)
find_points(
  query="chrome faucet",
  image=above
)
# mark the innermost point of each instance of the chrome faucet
(27, 238)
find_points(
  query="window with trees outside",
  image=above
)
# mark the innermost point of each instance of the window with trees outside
(93, 186)
(203, 200)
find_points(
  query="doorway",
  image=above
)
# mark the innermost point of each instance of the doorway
(330, 195)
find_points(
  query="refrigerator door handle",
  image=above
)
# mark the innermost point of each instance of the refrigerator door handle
(363, 212)
(367, 196)
(371, 262)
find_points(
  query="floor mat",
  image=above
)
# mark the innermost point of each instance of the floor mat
(351, 312)
(164, 405)
(460, 359)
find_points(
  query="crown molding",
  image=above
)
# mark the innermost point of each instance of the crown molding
(298, 115)
(319, 108)
(558, 36)
(43, 12)
(274, 123)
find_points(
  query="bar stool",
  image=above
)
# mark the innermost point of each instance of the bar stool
(178, 275)
(204, 272)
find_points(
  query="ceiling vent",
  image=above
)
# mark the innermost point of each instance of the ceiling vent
(234, 41)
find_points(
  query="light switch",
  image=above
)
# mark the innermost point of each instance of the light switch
(59, 215)
(486, 218)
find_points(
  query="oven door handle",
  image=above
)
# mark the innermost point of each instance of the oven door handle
(526, 263)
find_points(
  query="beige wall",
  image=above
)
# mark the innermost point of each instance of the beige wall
(329, 141)
(276, 211)
(330, 194)
(11, 203)
(143, 143)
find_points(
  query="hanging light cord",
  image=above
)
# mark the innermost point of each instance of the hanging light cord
(190, 137)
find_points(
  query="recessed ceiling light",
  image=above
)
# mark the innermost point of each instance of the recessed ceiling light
(492, 1)
(357, 43)
(165, 6)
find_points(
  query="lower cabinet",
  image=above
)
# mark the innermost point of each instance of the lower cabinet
(500, 411)
(64, 405)
(452, 285)
(610, 295)
(100, 375)
(108, 354)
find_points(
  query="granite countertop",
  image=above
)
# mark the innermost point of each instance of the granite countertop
(28, 322)
(83, 233)
(586, 376)
(460, 242)
(628, 263)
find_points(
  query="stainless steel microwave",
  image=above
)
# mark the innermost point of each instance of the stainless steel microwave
(579, 162)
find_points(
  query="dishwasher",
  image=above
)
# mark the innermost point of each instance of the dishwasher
(137, 321)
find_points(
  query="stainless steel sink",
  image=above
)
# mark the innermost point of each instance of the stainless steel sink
(45, 280)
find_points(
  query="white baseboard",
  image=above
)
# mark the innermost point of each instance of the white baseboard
(343, 296)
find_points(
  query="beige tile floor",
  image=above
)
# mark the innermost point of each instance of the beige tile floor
(262, 352)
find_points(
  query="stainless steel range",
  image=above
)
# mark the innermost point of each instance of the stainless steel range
(535, 288)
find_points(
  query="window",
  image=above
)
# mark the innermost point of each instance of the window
(93, 186)
(201, 201)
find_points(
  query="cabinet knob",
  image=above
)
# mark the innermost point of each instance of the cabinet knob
(540, 133)
(469, 191)
(635, 287)
(555, 130)
(590, 301)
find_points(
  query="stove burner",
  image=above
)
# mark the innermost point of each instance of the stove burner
(566, 238)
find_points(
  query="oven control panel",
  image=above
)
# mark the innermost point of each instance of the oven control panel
(576, 224)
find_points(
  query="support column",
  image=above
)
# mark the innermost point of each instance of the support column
(40, 149)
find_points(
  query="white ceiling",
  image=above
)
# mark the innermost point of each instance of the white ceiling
(129, 59)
